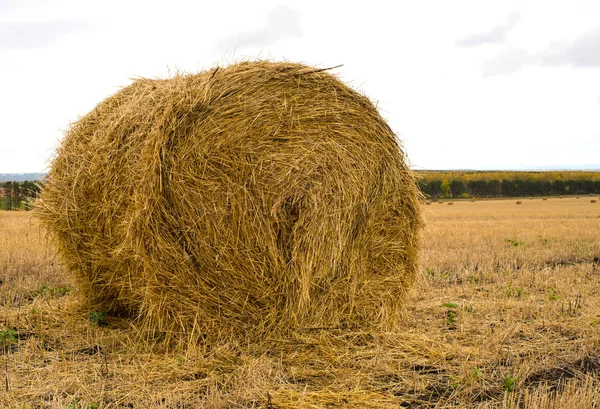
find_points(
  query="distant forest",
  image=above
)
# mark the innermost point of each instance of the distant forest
(464, 184)
(434, 184)
(18, 195)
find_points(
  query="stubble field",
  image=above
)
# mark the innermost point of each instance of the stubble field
(505, 314)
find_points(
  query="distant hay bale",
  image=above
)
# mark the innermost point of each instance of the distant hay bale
(450, 203)
(519, 202)
(241, 201)
(593, 201)
(545, 198)
(440, 202)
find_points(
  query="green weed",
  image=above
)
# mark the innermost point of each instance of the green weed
(46, 290)
(98, 318)
(509, 383)
(553, 294)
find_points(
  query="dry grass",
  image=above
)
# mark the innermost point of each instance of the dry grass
(237, 202)
(508, 298)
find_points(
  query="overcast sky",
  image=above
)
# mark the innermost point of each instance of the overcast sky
(465, 84)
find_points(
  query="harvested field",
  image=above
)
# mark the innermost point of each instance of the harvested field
(505, 313)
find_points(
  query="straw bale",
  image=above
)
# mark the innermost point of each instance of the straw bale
(257, 198)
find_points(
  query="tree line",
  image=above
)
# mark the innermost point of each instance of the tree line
(457, 184)
(434, 184)
(18, 195)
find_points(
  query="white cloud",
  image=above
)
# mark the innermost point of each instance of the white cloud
(582, 52)
(496, 35)
(282, 22)
(35, 34)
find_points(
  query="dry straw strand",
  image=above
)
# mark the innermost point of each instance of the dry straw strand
(241, 201)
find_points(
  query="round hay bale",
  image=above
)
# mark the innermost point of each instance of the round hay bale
(519, 202)
(450, 203)
(593, 200)
(545, 198)
(237, 202)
